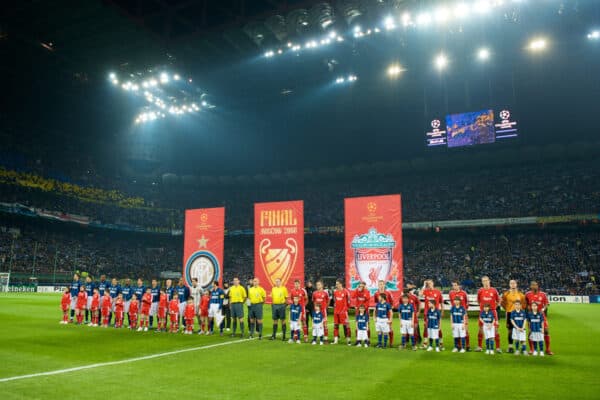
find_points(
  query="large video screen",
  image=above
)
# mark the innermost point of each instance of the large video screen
(468, 129)
(472, 128)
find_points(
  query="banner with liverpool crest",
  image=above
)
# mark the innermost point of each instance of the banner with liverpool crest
(279, 243)
(373, 227)
(203, 246)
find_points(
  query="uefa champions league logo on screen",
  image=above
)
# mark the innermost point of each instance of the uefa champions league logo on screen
(505, 115)
(435, 124)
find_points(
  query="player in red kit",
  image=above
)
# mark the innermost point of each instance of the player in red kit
(321, 297)
(302, 296)
(119, 311)
(81, 304)
(362, 296)
(535, 295)
(163, 300)
(430, 293)
(174, 313)
(458, 293)
(65, 303)
(188, 315)
(341, 298)
(145, 313)
(488, 295)
(134, 308)
(392, 302)
(105, 307)
(203, 312)
(95, 307)
(414, 300)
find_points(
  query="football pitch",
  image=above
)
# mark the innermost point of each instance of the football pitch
(116, 363)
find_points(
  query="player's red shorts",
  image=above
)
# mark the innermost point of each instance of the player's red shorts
(204, 313)
(162, 312)
(65, 309)
(145, 311)
(79, 306)
(340, 318)
(173, 318)
(105, 311)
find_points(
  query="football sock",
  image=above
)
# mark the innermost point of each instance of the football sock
(283, 329)
(275, 330)
(379, 338)
(391, 338)
(480, 339)
(463, 342)
(547, 341)
(242, 328)
(403, 340)
(497, 340)
(385, 341)
(412, 340)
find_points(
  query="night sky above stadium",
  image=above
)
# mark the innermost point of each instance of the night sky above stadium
(286, 113)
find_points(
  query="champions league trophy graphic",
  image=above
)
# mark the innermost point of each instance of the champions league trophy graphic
(278, 263)
(373, 260)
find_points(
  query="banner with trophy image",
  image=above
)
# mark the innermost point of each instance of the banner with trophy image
(203, 246)
(279, 243)
(373, 227)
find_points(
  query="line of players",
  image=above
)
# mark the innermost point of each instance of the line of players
(182, 304)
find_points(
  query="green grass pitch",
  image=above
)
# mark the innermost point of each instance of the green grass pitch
(32, 341)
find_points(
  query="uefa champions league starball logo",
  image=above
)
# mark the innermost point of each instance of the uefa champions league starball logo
(504, 115)
(435, 124)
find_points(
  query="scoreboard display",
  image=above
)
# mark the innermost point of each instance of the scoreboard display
(472, 128)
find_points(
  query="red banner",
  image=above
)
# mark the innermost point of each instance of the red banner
(373, 228)
(203, 246)
(279, 243)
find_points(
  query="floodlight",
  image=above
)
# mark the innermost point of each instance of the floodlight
(594, 35)
(538, 44)
(483, 54)
(441, 61)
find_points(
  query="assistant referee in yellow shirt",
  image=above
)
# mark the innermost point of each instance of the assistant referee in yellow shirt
(279, 295)
(257, 296)
(237, 296)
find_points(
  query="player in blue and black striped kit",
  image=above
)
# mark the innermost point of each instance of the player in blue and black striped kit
(127, 292)
(362, 327)
(536, 329)
(406, 311)
(113, 290)
(518, 318)
(75, 285)
(458, 313)
(296, 311)
(89, 289)
(434, 318)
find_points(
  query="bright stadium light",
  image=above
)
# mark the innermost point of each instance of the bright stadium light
(461, 10)
(112, 76)
(389, 23)
(537, 45)
(394, 70)
(164, 77)
(176, 77)
(483, 54)
(341, 79)
(441, 61)
(442, 14)
(482, 6)
(352, 78)
(406, 19)
(594, 35)
(424, 19)
(269, 54)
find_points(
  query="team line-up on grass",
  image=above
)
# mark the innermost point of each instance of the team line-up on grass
(180, 305)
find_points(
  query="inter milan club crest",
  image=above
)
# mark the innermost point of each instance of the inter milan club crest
(278, 263)
(373, 257)
(204, 266)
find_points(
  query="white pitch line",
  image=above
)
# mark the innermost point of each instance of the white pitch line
(126, 361)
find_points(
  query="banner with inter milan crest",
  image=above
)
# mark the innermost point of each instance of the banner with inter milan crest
(279, 243)
(373, 227)
(203, 246)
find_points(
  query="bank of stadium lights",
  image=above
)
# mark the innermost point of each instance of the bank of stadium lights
(594, 35)
(460, 10)
(346, 79)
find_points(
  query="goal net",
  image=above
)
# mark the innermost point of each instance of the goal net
(4, 280)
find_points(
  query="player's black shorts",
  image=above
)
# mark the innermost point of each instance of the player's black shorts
(255, 311)
(237, 310)
(278, 311)
(508, 322)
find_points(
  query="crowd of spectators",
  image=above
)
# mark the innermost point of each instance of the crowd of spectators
(541, 190)
(563, 261)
